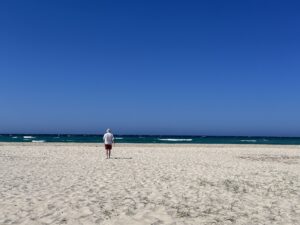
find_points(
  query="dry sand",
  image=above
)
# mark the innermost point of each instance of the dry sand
(149, 184)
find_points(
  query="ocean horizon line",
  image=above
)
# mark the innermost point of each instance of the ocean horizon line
(153, 135)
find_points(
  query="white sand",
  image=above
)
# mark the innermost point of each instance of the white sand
(149, 184)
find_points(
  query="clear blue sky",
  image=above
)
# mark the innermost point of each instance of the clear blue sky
(150, 67)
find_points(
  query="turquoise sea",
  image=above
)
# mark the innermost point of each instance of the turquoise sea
(149, 139)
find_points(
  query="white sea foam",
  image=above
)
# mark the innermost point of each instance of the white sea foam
(14, 137)
(28, 137)
(118, 138)
(248, 140)
(38, 141)
(173, 139)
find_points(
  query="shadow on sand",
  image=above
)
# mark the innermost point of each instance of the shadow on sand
(120, 158)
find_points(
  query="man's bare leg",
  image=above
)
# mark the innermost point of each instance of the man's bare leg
(109, 153)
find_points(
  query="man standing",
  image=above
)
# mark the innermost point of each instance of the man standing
(108, 139)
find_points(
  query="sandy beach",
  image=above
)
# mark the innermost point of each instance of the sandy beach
(44, 183)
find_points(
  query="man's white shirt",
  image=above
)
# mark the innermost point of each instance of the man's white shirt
(108, 138)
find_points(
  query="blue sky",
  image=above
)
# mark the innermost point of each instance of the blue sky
(150, 67)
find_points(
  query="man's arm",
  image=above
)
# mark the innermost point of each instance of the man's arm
(104, 139)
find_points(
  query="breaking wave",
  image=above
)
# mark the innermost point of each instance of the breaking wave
(38, 141)
(248, 140)
(174, 139)
(28, 137)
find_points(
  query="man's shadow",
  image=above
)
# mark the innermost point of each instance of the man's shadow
(120, 157)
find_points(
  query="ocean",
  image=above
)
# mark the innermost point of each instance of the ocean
(163, 139)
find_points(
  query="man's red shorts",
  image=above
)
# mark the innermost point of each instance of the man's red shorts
(108, 147)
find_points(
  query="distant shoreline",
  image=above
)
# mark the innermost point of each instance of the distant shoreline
(154, 145)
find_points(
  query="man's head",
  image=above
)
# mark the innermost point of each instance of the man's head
(108, 130)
